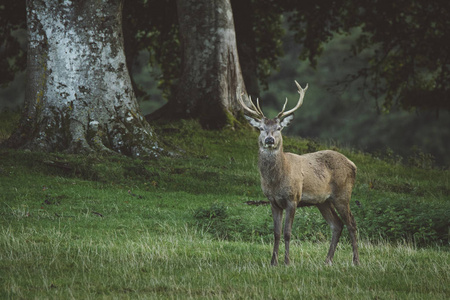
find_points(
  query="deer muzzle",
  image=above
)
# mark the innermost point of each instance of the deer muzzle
(269, 142)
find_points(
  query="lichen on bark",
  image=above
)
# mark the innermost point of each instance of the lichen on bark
(79, 95)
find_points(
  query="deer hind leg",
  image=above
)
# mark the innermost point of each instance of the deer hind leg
(342, 206)
(277, 215)
(336, 225)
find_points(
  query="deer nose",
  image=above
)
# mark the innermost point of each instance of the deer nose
(269, 140)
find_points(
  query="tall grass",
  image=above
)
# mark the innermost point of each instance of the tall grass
(55, 263)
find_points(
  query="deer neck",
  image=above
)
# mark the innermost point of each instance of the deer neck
(272, 166)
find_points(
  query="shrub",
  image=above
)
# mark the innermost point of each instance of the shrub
(218, 221)
(404, 218)
(216, 210)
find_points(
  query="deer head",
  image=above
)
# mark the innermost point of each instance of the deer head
(270, 129)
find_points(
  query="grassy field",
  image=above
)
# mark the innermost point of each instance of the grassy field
(90, 227)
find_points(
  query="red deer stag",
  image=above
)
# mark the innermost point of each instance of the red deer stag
(324, 179)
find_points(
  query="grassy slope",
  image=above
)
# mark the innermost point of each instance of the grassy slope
(96, 227)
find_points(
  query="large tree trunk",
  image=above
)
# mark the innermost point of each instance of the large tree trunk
(211, 77)
(246, 44)
(79, 96)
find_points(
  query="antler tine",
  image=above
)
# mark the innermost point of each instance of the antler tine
(259, 108)
(284, 107)
(256, 108)
(253, 110)
(302, 92)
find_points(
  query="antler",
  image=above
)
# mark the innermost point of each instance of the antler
(254, 110)
(302, 92)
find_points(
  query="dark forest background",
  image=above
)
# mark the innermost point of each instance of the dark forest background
(339, 107)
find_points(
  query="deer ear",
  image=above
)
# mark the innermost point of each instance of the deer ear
(254, 122)
(285, 122)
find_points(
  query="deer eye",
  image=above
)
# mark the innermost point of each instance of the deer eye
(279, 128)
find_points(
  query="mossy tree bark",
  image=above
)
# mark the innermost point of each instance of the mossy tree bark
(79, 96)
(211, 78)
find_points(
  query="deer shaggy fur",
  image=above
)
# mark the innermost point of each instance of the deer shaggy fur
(324, 179)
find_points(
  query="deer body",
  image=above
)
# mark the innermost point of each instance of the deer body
(305, 179)
(324, 179)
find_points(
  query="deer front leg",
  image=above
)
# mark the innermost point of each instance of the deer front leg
(290, 214)
(277, 215)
